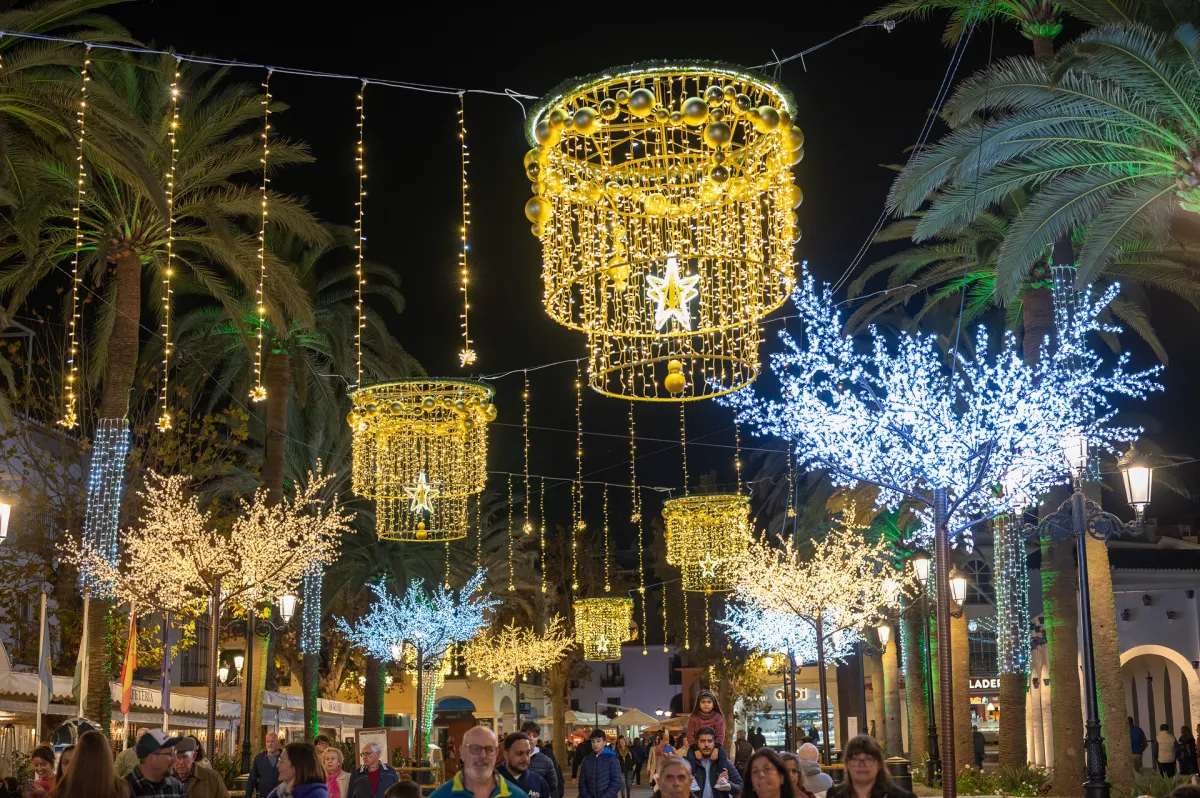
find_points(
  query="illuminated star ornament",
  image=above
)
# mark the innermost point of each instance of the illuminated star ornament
(420, 496)
(708, 566)
(671, 295)
(602, 644)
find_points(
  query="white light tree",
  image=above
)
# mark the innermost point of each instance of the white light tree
(510, 652)
(818, 601)
(179, 556)
(429, 624)
(943, 435)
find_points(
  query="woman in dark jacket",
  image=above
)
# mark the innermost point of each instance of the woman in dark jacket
(1186, 749)
(866, 776)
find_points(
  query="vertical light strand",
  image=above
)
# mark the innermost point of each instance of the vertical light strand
(446, 580)
(467, 356)
(635, 519)
(511, 585)
(707, 622)
(528, 527)
(477, 507)
(578, 486)
(607, 582)
(164, 419)
(683, 443)
(791, 484)
(687, 643)
(666, 648)
(360, 164)
(737, 455)
(542, 529)
(259, 392)
(70, 418)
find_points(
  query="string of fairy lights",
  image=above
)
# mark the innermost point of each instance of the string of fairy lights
(259, 392)
(70, 418)
(164, 419)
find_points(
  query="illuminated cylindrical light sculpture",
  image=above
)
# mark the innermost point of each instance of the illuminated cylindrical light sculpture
(602, 625)
(664, 202)
(703, 532)
(420, 451)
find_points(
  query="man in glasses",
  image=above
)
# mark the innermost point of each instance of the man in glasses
(478, 777)
(374, 777)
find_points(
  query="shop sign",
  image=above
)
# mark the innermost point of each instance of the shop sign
(985, 684)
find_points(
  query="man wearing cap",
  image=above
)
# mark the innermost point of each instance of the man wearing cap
(127, 760)
(153, 777)
(198, 782)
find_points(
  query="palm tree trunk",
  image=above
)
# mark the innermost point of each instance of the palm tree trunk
(373, 696)
(1107, 659)
(1060, 606)
(114, 406)
(310, 629)
(876, 720)
(914, 687)
(891, 700)
(1012, 616)
(557, 684)
(964, 747)
(1043, 48)
(1037, 321)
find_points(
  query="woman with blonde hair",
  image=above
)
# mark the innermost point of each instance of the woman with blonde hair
(337, 780)
(91, 774)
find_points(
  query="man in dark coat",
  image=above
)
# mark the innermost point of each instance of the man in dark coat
(264, 773)
(600, 773)
(515, 766)
(542, 761)
(714, 774)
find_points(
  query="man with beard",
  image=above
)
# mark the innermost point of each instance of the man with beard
(478, 777)
(542, 761)
(516, 767)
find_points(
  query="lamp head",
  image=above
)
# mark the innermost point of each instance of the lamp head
(223, 674)
(238, 662)
(5, 512)
(287, 607)
(884, 630)
(958, 585)
(768, 662)
(1138, 477)
(1074, 450)
(921, 562)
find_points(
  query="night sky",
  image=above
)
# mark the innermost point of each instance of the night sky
(861, 103)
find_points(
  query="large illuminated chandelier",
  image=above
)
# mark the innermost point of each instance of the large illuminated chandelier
(420, 451)
(704, 535)
(664, 203)
(602, 625)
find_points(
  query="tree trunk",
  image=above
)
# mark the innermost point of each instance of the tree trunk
(557, 684)
(960, 657)
(1043, 48)
(310, 629)
(1107, 659)
(373, 696)
(114, 404)
(891, 700)
(278, 383)
(914, 686)
(876, 718)
(252, 709)
(1037, 321)
(1012, 617)
(1060, 606)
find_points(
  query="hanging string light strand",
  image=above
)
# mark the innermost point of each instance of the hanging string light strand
(164, 419)
(259, 393)
(70, 417)
(360, 239)
(467, 356)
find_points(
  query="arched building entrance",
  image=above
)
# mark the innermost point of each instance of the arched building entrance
(1161, 686)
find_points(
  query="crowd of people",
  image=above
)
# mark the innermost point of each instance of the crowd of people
(1172, 755)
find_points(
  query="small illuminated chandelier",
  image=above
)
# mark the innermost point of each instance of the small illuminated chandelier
(602, 625)
(663, 199)
(703, 535)
(420, 451)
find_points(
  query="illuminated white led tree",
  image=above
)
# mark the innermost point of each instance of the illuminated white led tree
(428, 623)
(179, 556)
(938, 434)
(511, 652)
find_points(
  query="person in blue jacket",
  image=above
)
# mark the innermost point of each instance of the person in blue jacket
(600, 774)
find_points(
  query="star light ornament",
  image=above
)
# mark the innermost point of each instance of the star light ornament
(900, 418)
(420, 496)
(672, 294)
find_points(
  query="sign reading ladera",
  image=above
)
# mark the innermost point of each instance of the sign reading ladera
(985, 684)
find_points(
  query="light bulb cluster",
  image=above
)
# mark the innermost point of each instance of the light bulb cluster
(310, 611)
(1012, 598)
(511, 650)
(663, 200)
(164, 419)
(898, 417)
(106, 482)
(70, 416)
(259, 392)
(602, 625)
(704, 533)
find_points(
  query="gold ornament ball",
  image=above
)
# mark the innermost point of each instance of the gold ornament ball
(539, 210)
(797, 156)
(533, 156)
(675, 118)
(795, 138)
(767, 119)
(717, 134)
(536, 230)
(351, 418)
(710, 192)
(785, 120)
(429, 403)
(718, 157)
(716, 114)
(587, 121)
(655, 204)
(795, 195)
(622, 96)
(397, 407)
(546, 134)
(719, 174)
(675, 383)
(532, 170)
(609, 108)
(695, 111)
(641, 103)
(754, 117)
(593, 192)
(422, 532)
(557, 117)
(730, 93)
(490, 412)
(661, 115)
(743, 103)
(714, 94)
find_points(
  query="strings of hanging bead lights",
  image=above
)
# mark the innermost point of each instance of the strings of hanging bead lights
(702, 532)
(663, 200)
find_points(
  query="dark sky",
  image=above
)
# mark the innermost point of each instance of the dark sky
(861, 102)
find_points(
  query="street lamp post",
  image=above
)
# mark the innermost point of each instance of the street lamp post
(933, 766)
(287, 606)
(1078, 517)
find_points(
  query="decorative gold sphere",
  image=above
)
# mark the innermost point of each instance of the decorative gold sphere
(695, 111)
(767, 119)
(641, 102)
(622, 96)
(796, 138)
(717, 134)
(538, 210)
(675, 383)
(714, 94)
(557, 117)
(546, 134)
(587, 121)
(797, 156)
(609, 108)
(743, 103)
(797, 196)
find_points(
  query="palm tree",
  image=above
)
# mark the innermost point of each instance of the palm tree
(1040, 21)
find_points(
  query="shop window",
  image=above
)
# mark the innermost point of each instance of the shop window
(981, 646)
(979, 578)
(193, 661)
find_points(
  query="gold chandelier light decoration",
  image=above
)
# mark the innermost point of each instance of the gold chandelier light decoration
(705, 535)
(664, 202)
(420, 451)
(602, 625)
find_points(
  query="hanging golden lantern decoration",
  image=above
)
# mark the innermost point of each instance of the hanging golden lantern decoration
(704, 535)
(602, 625)
(664, 202)
(420, 451)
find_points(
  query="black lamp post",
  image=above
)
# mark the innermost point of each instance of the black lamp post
(1078, 517)
(287, 608)
(921, 562)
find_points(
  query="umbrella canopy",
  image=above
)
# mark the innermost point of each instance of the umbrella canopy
(634, 717)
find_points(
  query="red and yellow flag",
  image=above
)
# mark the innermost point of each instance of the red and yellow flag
(130, 664)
